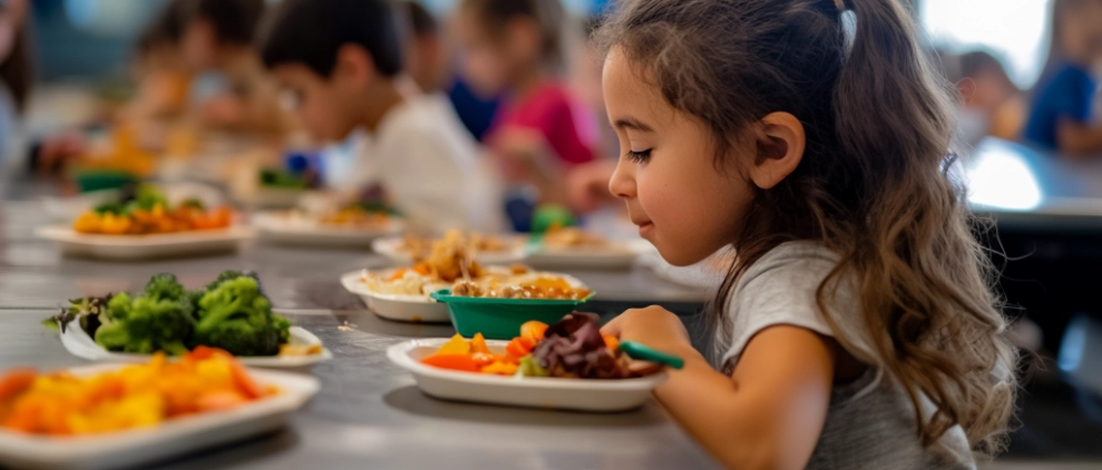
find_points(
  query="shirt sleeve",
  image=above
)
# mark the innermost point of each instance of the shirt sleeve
(780, 289)
(566, 130)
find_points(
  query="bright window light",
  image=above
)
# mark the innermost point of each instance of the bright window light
(1015, 29)
(999, 177)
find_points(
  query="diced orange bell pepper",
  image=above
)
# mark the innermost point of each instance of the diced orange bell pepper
(500, 368)
(611, 342)
(244, 381)
(15, 382)
(460, 362)
(533, 331)
(516, 348)
(422, 269)
(398, 274)
(457, 345)
(478, 344)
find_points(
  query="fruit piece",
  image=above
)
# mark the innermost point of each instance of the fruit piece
(483, 359)
(460, 362)
(611, 342)
(456, 345)
(517, 349)
(530, 368)
(478, 344)
(533, 331)
(500, 368)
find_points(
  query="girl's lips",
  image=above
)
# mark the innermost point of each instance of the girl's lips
(645, 228)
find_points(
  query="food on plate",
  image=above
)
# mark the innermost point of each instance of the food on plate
(231, 313)
(281, 179)
(142, 209)
(573, 238)
(61, 404)
(572, 348)
(421, 248)
(544, 288)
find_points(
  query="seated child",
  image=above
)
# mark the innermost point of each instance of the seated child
(346, 76)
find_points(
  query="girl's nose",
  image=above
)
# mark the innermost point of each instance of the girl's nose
(622, 183)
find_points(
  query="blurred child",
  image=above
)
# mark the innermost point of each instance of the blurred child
(347, 75)
(427, 57)
(161, 73)
(993, 104)
(233, 93)
(15, 76)
(810, 138)
(518, 47)
(1061, 116)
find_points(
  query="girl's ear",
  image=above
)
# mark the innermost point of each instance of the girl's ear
(355, 65)
(780, 148)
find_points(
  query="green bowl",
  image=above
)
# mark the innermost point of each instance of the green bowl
(98, 180)
(502, 318)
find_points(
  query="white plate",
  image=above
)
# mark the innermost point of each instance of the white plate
(170, 439)
(140, 247)
(619, 255)
(272, 198)
(79, 344)
(391, 248)
(533, 392)
(300, 230)
(407, 308)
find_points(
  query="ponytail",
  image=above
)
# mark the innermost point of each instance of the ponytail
(927, 281)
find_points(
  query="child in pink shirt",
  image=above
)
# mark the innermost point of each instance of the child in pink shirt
(542, 132)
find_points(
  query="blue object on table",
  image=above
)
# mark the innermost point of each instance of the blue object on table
(520, 207)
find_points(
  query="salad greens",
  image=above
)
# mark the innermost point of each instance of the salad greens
(133, 196)
(230, 313)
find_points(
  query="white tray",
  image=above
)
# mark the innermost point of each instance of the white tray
(531, 392)
(405, 308)
(390, 248)
(279, 228)
(79, 344)
(142, 247)
(171, 439)
(620, 255)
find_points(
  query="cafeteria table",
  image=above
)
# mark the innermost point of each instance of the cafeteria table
(369, 413)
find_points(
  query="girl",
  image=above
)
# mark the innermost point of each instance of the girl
(856, 325)
(517, 47)
(1061, 116)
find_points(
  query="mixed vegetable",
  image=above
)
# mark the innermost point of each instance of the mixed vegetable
(231, 313)
(142, 209)
(571, 348)
(61, 404)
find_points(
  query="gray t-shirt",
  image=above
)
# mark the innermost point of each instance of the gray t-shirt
(870, 422)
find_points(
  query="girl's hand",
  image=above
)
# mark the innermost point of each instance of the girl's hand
(653, 326)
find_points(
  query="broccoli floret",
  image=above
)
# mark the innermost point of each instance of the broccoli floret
(237, 317)
(145, 325)
(165, 287)
(230, 275)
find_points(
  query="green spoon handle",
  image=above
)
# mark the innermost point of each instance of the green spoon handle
(643, 353)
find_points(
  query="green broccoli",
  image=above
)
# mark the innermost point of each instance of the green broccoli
(237, 317)
(145, 325)
(165, 287)
(227, 276)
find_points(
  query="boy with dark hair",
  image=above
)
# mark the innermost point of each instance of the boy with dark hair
(340, 64)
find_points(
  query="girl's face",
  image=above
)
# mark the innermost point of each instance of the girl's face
(683, 204)
(484, 61)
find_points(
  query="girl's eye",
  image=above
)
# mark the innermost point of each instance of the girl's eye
(639, 157)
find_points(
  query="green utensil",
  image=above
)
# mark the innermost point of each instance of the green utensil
(643, 353)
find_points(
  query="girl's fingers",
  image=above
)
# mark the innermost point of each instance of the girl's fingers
(613, 328)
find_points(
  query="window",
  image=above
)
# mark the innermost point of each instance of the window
(1015, 30)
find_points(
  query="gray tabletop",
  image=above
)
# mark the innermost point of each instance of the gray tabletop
(369, 413)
